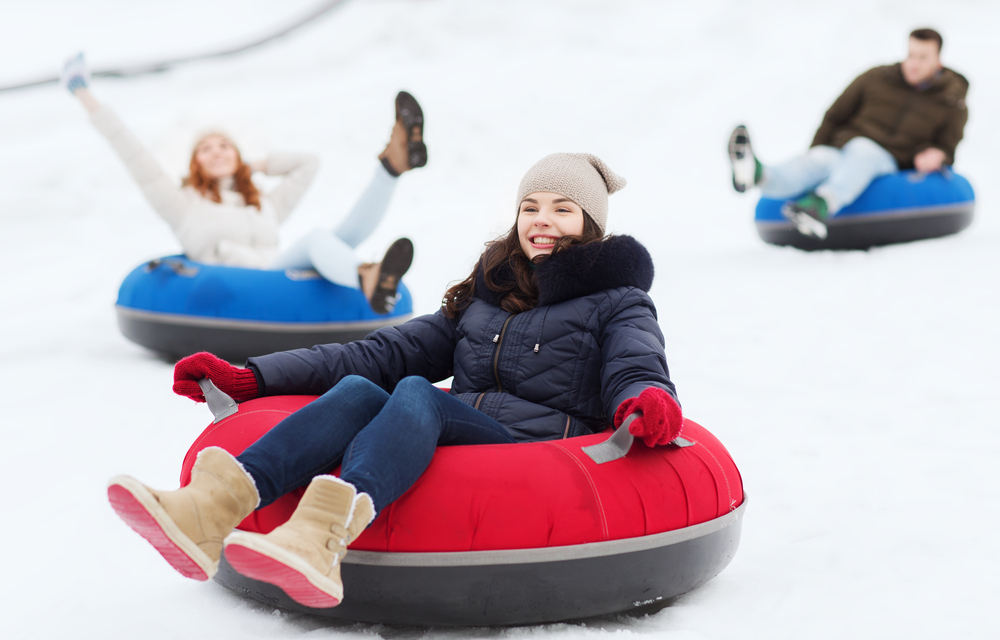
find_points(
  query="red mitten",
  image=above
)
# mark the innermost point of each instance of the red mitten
(661, 418)
(239, 384)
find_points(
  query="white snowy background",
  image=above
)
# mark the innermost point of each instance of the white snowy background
(856, 391)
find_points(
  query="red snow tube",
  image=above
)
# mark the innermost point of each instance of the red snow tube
(529, 497)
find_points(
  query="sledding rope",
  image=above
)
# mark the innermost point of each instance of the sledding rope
(156, 67)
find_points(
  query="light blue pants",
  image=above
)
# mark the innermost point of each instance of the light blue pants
(331, 253)
(838, 176)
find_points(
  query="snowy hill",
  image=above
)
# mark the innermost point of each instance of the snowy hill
(855, 390)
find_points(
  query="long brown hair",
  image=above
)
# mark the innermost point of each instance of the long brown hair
(520, 293)
(209, 187)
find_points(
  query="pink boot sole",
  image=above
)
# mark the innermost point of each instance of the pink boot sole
(142, 522)
(258, 566)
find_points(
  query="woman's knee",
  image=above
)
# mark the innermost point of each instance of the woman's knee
(417, 395)
(316, 238)
(357, 387)
(415, 385)
(354, 382)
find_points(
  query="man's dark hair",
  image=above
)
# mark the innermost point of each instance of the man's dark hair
(928, 34)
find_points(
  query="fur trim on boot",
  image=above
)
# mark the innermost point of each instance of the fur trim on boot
(303, 556)
(188, 526)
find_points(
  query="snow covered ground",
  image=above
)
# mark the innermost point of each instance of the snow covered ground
(857, 391)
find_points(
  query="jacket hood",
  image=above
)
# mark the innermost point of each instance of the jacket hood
(619, 261)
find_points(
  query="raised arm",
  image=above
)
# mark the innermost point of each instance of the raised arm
(160, 189)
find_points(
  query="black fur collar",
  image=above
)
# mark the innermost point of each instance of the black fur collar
(619, 261)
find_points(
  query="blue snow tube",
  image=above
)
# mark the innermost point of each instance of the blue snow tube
(899, 207)
(178, 307)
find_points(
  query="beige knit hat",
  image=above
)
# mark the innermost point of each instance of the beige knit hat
(581, 177)
(174, 143)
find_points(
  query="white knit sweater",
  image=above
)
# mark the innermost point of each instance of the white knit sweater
(229, 232)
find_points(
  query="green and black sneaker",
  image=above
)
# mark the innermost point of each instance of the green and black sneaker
(809, 214)
(747, 169)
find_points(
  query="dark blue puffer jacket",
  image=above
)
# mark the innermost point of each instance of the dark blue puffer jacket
(558, 370)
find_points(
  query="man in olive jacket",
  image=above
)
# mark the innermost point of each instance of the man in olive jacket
(909, 115)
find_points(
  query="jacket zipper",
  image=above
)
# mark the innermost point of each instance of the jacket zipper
(478, 400)
(541, 326)
(498, 340)
(566, 431)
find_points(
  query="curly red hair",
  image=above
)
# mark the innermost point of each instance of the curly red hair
(209, 187)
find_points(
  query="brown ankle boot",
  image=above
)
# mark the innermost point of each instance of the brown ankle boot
(406, 149)
(380, 280)
(303, 556)
(188, 526)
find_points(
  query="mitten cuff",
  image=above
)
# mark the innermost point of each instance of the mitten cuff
(243, 386)
(669, 412)
(623, 411)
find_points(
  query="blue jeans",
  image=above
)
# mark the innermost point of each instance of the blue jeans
(383, 442)
(838, 176)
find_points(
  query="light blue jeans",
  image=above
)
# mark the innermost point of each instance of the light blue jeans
(838, 176)
(331, 253)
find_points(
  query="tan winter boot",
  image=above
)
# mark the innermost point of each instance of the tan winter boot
(303, 556)
(188, 526)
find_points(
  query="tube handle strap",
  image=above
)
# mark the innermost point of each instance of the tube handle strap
(615, 447)
(220, 404)
(620, 442)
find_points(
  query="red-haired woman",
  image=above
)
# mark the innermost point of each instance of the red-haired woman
(220, 217)
(552, 335)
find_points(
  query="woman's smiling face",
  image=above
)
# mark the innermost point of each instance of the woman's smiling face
(217, 156)
(543, 218)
